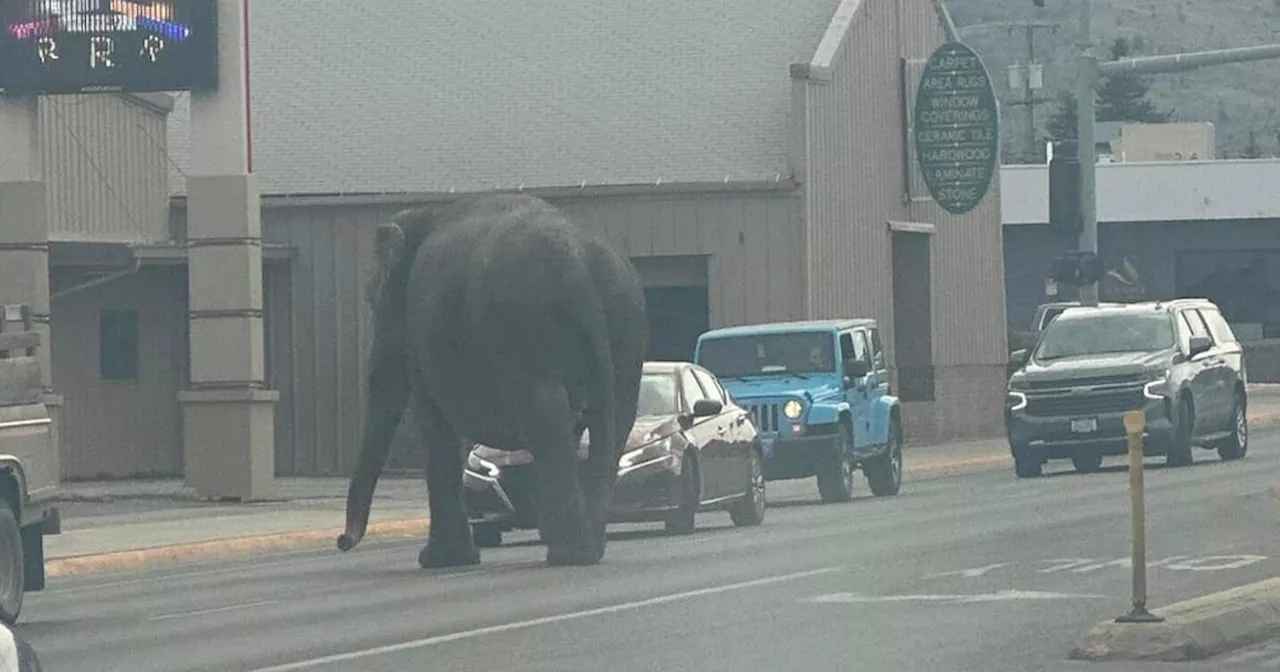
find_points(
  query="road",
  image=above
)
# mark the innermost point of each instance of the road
(980, 572)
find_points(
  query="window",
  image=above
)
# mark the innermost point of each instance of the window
(118, 345)
(1194, 323)
(877, 351)
(1217, 326)
(657, 395)
(1094, 333)
(709, 385)
(768, 354)
(692, 393)
(860, 349)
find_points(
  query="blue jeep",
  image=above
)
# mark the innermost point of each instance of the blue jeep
(819, 394)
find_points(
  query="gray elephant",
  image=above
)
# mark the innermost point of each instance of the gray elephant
(508, 327)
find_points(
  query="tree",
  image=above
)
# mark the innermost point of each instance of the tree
(1121, 97)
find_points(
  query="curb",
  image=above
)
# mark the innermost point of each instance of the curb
(146, 558)
(1192, 630)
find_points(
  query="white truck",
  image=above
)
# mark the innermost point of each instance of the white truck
(28, 471)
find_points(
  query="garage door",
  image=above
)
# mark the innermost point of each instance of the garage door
(676, 302)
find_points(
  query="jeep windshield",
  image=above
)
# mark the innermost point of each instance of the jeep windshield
(1104, 333)
(795, 353)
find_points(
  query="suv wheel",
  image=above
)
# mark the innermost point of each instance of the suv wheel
(11, 565)
(884, 474)
(1237, 444)
(1179, 454)
(1026, 465)
(835, 477)
(1087, 464)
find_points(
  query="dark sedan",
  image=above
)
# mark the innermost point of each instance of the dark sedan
(691, 449)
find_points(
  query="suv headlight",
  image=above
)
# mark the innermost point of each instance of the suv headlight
(481, 466)
(1157, 386)
(792, 409)
(649, 451)
(1015, 400)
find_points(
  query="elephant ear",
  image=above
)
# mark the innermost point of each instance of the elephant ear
(389, 249)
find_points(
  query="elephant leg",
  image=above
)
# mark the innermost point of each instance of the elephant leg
(546, 424)
(598, 475)
(449, 542)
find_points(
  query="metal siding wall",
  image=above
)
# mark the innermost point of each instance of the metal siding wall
(106, 167)
(121, 428)
(330, 318)
(855, 183)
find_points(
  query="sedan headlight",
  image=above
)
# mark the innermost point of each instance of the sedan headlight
(650, 451)
(792, 409)
(481, 466)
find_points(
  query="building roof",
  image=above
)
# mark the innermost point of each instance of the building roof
(402, 96)
(1164, 191)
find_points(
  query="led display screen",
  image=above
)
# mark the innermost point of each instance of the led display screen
(80, 46)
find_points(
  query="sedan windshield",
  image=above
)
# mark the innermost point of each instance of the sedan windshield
(763, 354)
(1105, 333)
(657, 395)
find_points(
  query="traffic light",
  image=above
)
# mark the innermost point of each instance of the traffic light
(1064, 188)
(1091, 270)
(1065, 269)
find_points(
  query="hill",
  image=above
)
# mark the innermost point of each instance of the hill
(1238, 98)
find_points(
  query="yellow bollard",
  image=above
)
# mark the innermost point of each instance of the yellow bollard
(1134, 423)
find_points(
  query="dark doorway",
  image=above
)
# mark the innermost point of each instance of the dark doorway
(677, 316)
(913, 316)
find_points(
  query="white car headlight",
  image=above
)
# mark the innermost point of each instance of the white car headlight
(792, 409)
(481, 466)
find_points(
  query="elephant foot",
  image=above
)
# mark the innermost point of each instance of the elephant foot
(436, 555)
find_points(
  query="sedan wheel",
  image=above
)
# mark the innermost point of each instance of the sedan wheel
(486, 535)
(682, 519)
(1235, 447)
(749, 510)
(11, 565)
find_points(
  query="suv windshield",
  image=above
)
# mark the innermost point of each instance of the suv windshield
(1104, 333)
(763, 354)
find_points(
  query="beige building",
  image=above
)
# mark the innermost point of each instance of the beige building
(754, 165)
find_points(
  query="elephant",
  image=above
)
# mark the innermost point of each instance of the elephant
(508, 326)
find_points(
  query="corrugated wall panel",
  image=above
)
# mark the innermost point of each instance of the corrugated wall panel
(106, 168)
(753, 241)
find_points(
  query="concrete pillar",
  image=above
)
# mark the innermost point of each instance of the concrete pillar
(24, 238)
(228, 412)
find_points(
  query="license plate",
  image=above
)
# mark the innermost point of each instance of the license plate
(1084, 425)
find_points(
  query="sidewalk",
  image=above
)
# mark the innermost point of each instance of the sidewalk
(127, 525)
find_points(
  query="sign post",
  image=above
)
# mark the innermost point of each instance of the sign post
(1134, 424)
(957, 128)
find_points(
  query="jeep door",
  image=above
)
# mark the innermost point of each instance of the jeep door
(854, 346)
(1198, 372)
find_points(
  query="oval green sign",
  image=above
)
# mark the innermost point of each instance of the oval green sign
(957, 128)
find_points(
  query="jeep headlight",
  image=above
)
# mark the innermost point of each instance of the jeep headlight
(649, 451)
(792, 409)
(481, 466)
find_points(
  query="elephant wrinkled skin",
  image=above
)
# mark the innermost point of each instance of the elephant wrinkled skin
(508, 327)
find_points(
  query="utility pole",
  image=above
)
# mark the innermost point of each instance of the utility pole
(1089, 70)
(1029, 84)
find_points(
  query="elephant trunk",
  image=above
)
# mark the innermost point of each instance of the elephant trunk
(388, 395)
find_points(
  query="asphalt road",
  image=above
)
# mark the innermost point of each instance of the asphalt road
(979, 572)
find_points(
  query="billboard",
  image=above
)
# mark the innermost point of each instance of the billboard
(84, 46)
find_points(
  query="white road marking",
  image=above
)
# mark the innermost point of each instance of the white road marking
(545, 620)
(1211, 563)
(202, 612)
(1059, 565)
(1215, 563)
(970, 573)
(1001, 596)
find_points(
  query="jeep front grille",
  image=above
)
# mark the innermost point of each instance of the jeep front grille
(766, 417)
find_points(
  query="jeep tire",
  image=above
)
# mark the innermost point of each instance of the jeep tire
(12, 566)
(835, 474)
(884, 473)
